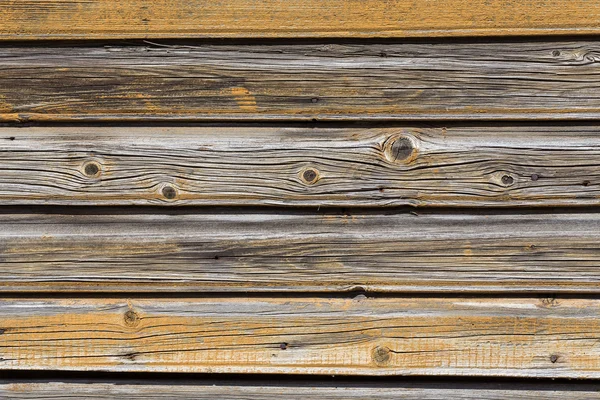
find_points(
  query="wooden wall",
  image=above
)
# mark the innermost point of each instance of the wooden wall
(238, 199)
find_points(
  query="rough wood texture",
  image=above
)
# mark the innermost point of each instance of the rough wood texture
(522, 337)
(274, 390)
(315, 252)
(454, 166)
(93, 19)
(548, 80)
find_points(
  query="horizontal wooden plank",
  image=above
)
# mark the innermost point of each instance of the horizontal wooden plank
(93, 19)
(178, 389)
(445, 81)
(299, 252)
(446, 166)
(520, 337)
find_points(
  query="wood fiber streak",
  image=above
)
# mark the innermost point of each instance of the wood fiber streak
(100, 19)
(272, 391)
(300, 252)
(382, 167)
(519, 337)
(447, 81)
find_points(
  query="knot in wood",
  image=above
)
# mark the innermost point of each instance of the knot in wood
(508, 180)
(91, 169)
(401, 149)
(381, 355)
(310, 175)
(169, 192)
(131, 318)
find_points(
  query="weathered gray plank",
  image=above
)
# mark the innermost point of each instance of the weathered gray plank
(547, 80)
(454, 166)
(520, 337)
(269, 390)
(301, 251)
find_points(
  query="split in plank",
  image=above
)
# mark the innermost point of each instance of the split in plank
(274, 389)
(218, 251)
(101, 19)
(460, 81)
(502, 166)
(518, 337)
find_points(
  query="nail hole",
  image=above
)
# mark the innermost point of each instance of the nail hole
(553, 358)
(507, 180)
(283, 346)
(11, 138)
(556, 53)
(91, 169)
(314, 100)
(535, 177)
(310, 175)
(169, 192)
(585, 183)
(216, 257)
(383, 54)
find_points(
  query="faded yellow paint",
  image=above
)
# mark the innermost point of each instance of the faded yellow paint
(244, 99)
(368, 336)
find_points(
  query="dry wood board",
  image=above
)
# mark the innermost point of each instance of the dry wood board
(502, 166)
(243, 251)
(101, 19)
(518, 337)
(444, 81)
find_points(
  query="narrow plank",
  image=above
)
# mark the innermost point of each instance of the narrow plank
(504, 166)
(101, 19)
(180, 390)
(517, 337)
(444, 81)
(212, 251)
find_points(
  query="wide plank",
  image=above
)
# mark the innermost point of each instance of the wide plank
(503, 166)
(101, 19)
(92, 250)
(276, 389)
(444, 81)
(517, 337)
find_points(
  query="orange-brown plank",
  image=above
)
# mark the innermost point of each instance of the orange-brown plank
(526, 337)
(98, 19)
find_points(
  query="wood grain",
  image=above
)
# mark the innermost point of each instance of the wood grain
(503, 166)
(100, 19)
(225, 251)
(444, 81)
(517, 337)
(268, 390)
